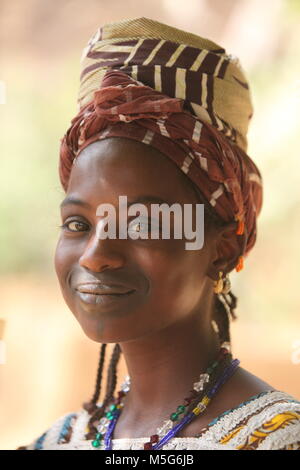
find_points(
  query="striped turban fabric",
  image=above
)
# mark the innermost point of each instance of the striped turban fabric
(181, 94)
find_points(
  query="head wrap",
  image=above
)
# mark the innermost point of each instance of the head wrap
(181, 94)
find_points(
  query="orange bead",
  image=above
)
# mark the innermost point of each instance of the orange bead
(240, 264)
(241, 227)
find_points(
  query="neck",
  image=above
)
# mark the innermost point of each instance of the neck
(164, 366)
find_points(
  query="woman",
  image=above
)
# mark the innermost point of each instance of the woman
(163, 117)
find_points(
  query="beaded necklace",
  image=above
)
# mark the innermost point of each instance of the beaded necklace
(209, 382)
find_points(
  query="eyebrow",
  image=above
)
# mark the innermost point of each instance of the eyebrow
(141, 199)
(74, 201)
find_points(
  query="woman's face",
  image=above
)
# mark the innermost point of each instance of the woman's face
(140, 286)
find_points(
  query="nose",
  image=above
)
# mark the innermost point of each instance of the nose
(101, 254)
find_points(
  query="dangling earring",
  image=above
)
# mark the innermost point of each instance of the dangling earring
(218, 285)
(222, 286)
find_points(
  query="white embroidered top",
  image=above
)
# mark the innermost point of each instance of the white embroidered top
(269, 420)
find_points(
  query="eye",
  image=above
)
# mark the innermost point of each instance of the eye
(137, 227)
(140, 225)
(74, 226)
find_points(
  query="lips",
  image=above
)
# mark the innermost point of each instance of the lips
(103, 289)
(104, 298)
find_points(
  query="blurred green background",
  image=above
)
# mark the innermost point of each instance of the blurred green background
(42, 43)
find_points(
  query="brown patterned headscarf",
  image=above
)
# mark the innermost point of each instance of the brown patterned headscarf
(181, 94)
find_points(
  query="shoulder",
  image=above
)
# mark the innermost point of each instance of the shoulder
(62, 432)
(269, 420)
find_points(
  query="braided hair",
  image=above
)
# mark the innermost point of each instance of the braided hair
(224, 308)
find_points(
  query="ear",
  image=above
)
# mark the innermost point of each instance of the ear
(226, 250)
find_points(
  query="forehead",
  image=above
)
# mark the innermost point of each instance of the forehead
(115, 166)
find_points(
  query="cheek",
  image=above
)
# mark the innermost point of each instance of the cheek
(62, 261)
(177, 279)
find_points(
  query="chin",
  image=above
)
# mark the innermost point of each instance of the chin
(103, 331)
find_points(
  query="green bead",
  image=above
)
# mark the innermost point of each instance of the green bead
(181, 408)
(113, 407)
(174, 417)
(99, 436)
(96, 443)
(109, 414)
(209, 370)
(215, 364)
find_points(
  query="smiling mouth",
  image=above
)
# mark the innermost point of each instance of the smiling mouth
(103, 289)
(102, 292)
(89, 297)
